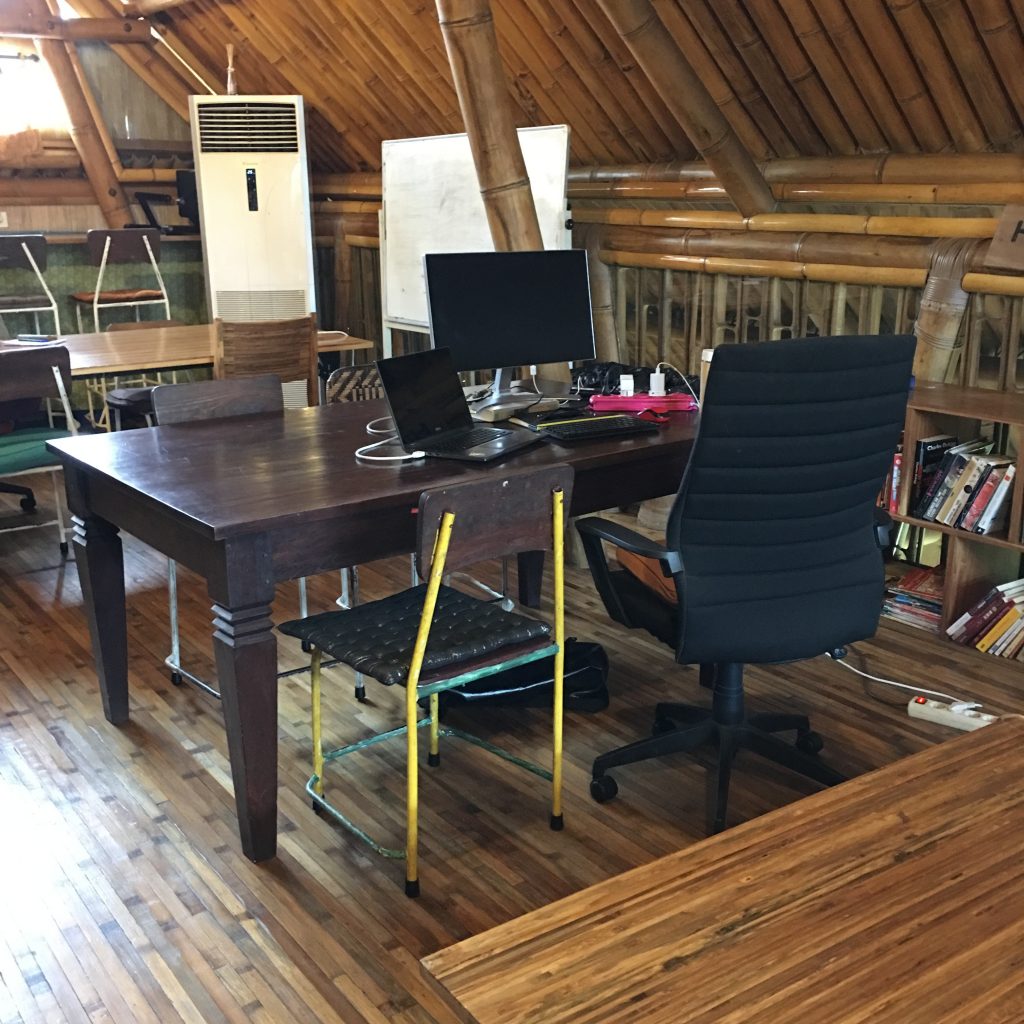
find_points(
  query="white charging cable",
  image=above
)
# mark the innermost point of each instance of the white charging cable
(957, 703)
(363, 453)
(683, 376)
(373, 428)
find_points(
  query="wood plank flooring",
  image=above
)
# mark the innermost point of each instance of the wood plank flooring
(124, 895)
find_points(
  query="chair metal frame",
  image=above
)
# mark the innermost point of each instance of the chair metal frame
(36, 310)
(414, 691)
(97, 305)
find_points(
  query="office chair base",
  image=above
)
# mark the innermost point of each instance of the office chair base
(684, 728)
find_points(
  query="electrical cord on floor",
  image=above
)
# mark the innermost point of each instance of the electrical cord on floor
(957, 703)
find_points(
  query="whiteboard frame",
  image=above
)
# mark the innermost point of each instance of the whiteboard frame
(472, 236)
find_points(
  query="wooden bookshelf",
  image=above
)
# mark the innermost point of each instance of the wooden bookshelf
(973, 562)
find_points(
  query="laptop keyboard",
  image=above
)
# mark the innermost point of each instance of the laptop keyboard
(473, 437)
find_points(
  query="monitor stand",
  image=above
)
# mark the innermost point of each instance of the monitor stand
(502, 396)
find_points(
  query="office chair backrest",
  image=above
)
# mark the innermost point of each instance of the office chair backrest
(501, 515)
(216, 399)
(127, 245)
(13, 255)
(774, 517)
(28, 372)
(286, 348)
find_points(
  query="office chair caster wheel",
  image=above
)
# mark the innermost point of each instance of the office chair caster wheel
(307, 647)
(176, 679)
(662, 725)
(64, 548)
(603, 789)
(28, 504)
(360, 693)
(810, 743)
(317, 809)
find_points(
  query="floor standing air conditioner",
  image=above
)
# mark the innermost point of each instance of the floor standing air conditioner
(252, 179)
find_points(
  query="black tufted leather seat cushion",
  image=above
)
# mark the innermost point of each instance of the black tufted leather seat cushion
(377, 639)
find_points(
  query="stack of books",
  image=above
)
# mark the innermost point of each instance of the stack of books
(995, 623)
(961, 484)
(915, 598)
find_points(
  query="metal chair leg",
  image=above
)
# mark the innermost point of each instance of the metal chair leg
(59, 511)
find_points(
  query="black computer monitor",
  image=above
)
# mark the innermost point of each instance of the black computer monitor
(188, 200)
(496, 310)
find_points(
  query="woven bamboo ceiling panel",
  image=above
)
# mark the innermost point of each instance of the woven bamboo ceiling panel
(793, 77)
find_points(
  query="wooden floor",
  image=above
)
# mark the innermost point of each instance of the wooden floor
(124, 893)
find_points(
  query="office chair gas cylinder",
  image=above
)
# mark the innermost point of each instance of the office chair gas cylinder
(771, 547)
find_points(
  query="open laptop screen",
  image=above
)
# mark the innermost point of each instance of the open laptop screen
(424, 395)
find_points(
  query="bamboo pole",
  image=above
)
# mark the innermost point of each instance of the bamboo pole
(46, 191)
(717, 84)
(943, 304)
(978, 74)
(883, 168)
(855, 54)
(1002, 37)
(919, 33)
(105, 30)
(887, 45)
(847, 224)
(468, 30)
(693, 108)
(100, 172)
(802, 76)
(722, 55)
(605, 338)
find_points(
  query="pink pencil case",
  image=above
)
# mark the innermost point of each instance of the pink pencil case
(637, 403)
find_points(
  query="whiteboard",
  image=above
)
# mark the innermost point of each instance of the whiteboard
(432, 203)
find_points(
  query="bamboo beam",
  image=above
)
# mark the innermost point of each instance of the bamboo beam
(1002, 38)
(154, 6)
(105, 30)
(942, 308)
(100, 172)
(469, 37)
(46, 191)
(846, 224)
(689, 102)
(883, 168)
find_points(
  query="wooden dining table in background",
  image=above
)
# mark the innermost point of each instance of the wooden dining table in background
(107, 353)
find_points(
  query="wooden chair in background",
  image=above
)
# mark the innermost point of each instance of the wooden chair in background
(285, 348)
(28, 252)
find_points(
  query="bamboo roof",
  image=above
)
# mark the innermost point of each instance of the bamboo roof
(793, 77)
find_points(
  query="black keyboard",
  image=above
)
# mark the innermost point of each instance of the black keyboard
(599, 426)
(472, 437)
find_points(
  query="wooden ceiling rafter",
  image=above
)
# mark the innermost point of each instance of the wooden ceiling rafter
(1004, 41)
(984, 90)
(850, 46)
(104, 30)
(774, 29)
(743, 35)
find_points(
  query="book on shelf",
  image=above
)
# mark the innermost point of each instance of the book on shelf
(993, 519)
(1016, 645)
(996, 630)
(966, 487)
(894, 480)
(915, 598)
(984, 610)
(982, 496)
(928, 454)
(1003, 644)
(949, 474)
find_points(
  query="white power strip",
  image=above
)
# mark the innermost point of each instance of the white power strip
(937, 711)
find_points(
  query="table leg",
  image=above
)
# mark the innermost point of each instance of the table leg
(101, 572)
(531, 575)
(246, 653)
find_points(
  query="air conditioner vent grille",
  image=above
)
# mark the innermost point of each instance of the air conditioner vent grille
(248, 127)
(283, 304)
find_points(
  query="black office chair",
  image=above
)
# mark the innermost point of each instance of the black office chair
(771, 542)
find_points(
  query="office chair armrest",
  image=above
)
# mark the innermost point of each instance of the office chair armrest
(883, 528)
(629, 540)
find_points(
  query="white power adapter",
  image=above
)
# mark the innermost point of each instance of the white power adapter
(626, 385)
(657, 385)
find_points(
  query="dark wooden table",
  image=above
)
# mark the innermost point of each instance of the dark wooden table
(256, 500)
(896, 898)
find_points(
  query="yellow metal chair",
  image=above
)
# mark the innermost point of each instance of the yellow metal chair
(432, 638)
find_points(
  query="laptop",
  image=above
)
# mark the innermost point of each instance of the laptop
(431, 414)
